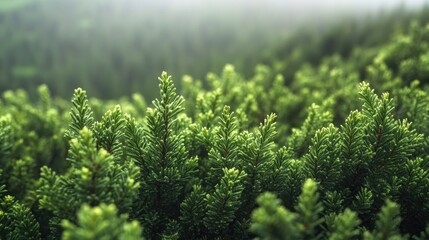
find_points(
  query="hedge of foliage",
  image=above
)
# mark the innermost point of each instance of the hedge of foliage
(327, 156)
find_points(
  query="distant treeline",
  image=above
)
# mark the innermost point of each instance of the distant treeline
(114, 50)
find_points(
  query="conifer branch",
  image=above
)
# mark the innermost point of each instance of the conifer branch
(81, 114)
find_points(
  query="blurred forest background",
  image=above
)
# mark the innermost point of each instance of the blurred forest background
(114, 48)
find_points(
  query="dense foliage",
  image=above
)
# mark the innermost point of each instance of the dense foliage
(330, 154)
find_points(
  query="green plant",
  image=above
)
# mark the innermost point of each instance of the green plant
(239, 159)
